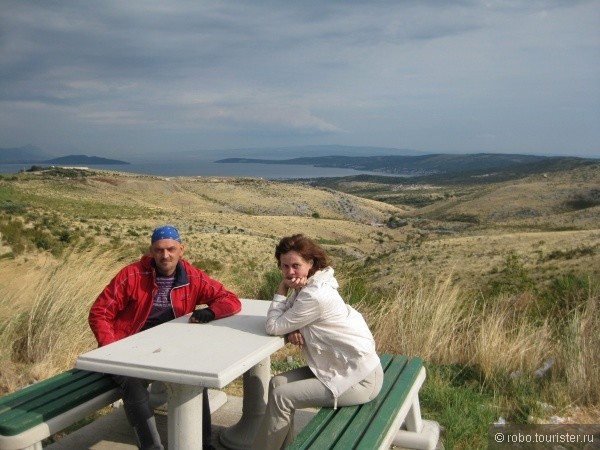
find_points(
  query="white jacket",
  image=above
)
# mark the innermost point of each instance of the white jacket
(339, 347)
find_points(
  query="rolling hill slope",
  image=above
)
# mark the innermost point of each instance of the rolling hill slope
(375, 231)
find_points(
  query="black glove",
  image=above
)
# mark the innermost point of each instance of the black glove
(203, 315)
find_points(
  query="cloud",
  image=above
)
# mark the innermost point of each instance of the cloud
(429, 75)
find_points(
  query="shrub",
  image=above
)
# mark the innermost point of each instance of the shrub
(578, 252)
(269, 285)
(64, 236)
(513, 278)
(14, 235)
(357, 290)
(11, 207)
(210, 266)
(565, 295)
(584, 200)
(396, 222)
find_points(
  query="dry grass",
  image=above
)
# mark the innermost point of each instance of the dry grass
(502, 341)
(579, 353)
(422, 319)
(435, 321)
(440, 323)
(428, 268)
(473, 257)
(47, 336)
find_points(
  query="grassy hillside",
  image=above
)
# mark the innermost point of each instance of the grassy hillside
(375, 230)
(487, 281)
(550, 221)
(229, 224)
(443, 164)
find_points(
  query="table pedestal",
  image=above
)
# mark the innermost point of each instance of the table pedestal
(184, 416)
(256, 389)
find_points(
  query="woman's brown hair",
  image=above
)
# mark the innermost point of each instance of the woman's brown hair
(308, 249)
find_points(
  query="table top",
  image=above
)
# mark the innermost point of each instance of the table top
(210, 355)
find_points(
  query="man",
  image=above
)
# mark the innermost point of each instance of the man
(154, 290)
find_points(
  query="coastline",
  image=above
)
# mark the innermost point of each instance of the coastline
(209, 168)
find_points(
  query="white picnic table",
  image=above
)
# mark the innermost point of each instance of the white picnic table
(189, 357)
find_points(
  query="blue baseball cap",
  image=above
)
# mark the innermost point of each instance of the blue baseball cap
(166, 232)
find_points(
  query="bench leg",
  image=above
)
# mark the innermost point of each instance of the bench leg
(419, 434)
(426, 439)
(36, 446)
(413, 419)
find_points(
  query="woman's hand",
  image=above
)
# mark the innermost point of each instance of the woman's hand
(294, 283)
(291, 283)
(295, 337)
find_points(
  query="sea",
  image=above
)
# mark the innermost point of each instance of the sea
(214, 169)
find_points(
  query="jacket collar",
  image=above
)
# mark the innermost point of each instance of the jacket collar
(181, 277)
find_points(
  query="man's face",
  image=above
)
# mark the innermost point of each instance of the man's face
(166, 254)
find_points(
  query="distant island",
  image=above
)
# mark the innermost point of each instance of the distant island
(83, 160)
(429, 164)
(29, 154)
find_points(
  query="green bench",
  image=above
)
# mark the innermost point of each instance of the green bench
(393, 417)
(35, 412)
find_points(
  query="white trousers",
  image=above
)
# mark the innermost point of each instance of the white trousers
(298, 389)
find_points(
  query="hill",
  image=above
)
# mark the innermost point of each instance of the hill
(234, 222)
(30, 154)
(486, 280)
(423, 165)
(551, 221)
(83, 159)
(280, 153)
(470, 225)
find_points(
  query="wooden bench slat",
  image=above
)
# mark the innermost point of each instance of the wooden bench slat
(32, 391)
(383, 419)
(58, 391)
(56, 396)
(312, 429)
(336, 427)
(362, 421)
(320, 421)
(60, 401)
(313, 437)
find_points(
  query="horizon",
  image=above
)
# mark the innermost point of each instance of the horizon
(274, 153)
(144, 78)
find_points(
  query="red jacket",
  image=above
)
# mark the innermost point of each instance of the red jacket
(124, 305)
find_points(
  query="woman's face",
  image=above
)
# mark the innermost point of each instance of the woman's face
(292, 265)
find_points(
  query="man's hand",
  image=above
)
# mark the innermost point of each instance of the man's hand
(295, 337)
(203, 315)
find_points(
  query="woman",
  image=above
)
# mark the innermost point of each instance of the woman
(343, 366)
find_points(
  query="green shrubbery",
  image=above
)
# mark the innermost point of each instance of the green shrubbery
(512, 278)
(269, 284)
(44, 233)
(210, 266)
(556, 300)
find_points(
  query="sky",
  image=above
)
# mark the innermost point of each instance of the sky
(138, 78)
